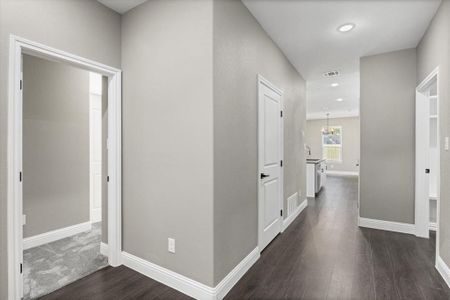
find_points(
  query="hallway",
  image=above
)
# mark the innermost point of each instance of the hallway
(322, 255)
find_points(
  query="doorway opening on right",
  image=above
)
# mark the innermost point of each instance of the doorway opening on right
(427, 192)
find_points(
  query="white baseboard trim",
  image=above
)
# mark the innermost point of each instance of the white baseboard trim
(294, 215)
(224, 286)
(54, 235)
(189, 286)
(443, 270)
(341, 173)
(104, 249)
(170, 278)
(432, 226)
(387, 225)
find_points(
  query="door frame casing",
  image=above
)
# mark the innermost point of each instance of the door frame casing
(19, 46)
(421, 213)
(93, 126)
(264, 82)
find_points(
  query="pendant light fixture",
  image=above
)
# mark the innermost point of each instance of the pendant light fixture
(327, 130)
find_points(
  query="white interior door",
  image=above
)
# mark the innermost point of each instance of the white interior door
(95, 128)
(270, 154)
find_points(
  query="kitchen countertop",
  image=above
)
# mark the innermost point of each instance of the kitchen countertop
(314, 160)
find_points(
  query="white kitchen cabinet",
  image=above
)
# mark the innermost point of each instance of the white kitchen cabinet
(315, 176)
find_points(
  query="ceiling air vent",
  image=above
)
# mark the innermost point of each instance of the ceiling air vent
(331, 74)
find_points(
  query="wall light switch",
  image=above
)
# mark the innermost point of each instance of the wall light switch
(446, 144)
(24, 219)
(171, 245)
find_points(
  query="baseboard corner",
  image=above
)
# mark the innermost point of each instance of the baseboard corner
(187, 285)
(168, 277)
(224, 286)
(387, 225)
(432, 226)
(443, 270)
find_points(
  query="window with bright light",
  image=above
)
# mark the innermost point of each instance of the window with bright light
(332, 144)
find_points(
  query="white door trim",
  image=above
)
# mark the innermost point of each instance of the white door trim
(19, 46)
(267, 83)
(95, 147)
(422, 221)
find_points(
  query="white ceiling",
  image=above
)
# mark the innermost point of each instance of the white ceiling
(121, 6)
(322, 97)
(306, 31)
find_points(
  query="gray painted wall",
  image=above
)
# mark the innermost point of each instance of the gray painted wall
(82, 27)
(55, 145)
(176, 94)
(168, 135)
(433, 51)
(387, 112)
(350, 142)
(242, 50)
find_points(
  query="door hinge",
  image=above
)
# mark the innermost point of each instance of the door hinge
(281, 163)
(281, 212)
(107, 178)
(20, 84)
(21, 268)
(281, 113)
(20, 176)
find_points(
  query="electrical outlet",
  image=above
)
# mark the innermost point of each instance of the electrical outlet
(171, 245)
(446, 146)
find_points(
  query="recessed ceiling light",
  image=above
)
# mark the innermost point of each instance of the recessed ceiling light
(346, 27)
(335, 84)
(339, 99)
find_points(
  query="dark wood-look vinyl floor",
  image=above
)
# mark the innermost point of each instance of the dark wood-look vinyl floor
(322, 255)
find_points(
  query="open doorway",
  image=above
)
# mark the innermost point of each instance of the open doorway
(332, 134)
(63, 145)
(50, 171)
(427, 158)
